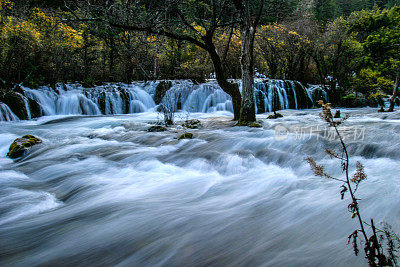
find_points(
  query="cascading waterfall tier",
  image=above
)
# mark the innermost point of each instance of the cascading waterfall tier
(269, 95)
(119, 98)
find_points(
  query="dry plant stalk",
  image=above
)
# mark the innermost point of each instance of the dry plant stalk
(373, 249)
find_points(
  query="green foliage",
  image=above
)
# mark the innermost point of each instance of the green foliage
(378, 32)
(350, 96)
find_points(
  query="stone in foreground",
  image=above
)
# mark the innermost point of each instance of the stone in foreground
(21, 146)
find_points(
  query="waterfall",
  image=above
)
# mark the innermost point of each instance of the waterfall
(6, 114)
(107, 99)
(119, 98)
(316, 92)
(270, 95)
(27, 107)
(207, 98)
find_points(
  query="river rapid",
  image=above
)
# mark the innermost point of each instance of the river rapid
(101, 190)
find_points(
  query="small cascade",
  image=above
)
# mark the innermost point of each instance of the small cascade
(27, 107)
(278, 94)
(208, 98)
(107, 99)
(270, 95)
(316, 92)
(6, 114)
(178, 94)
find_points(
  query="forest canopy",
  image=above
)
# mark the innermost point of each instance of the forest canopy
(343, 45)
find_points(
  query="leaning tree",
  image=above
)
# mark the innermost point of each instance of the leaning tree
(196, 22)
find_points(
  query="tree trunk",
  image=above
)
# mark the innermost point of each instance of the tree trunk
(247, 29)
(111, 59)
(248, 110)
(395, 92)
(229, 88)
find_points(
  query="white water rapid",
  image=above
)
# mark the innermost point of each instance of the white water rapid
(102, 191)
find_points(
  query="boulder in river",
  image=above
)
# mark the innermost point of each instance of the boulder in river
(275, 116)
(157, 128)
(192, 124)
(35, 108)
(21, 146)
(186, 136)
(15, 101)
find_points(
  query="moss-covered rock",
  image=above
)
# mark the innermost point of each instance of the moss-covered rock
(157, 128)
(186, 136)
(21, 146)
(192, 124)
(248, 124)
(242, 123)
(275, 116)
(255, 125)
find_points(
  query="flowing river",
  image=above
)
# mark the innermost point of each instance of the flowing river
(101, 190)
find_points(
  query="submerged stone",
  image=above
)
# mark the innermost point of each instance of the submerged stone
(21, 146)
(192, 124)
(157, 128)
(186, 136)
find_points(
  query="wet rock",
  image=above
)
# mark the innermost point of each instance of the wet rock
(161, 89)
(242, 123)
(15, 102)
(157, 128)
(337, 114)
(255, 125)
(125, 99)
(18, 89)
(22, 145)
(192, 124)
(102, 102)
(275, 116)
(381, 109)
(248, 124)
(260, 99)
(303, 100)
(35, 108)
(186, 136)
